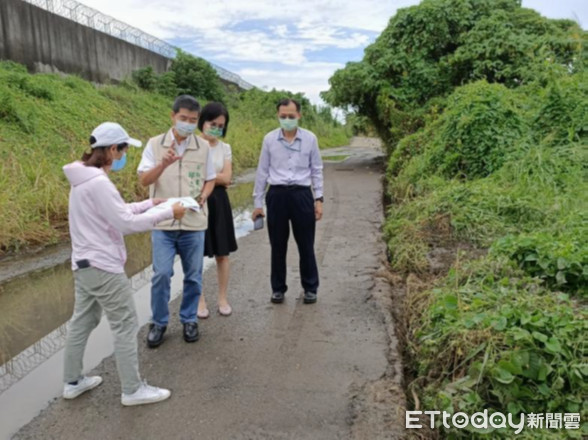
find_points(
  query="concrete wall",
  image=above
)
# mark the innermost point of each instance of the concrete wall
(47, 42)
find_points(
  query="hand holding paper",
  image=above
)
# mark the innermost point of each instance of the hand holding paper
(186, 202)
(179, 211)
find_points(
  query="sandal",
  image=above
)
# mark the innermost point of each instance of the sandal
(225, 311)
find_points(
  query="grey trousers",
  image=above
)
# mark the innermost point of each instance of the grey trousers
(97, 290)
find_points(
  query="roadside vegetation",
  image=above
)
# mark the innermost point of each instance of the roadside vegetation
(46, 121)
(483, 106)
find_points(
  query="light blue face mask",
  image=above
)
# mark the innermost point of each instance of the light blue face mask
(119, 164)
(185, 129)
(288, 124)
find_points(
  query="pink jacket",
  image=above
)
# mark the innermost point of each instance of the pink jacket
(99, 218)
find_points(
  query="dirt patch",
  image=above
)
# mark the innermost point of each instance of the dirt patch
(375, 411)
(408, 298)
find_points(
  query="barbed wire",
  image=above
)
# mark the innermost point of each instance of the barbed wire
(94, 19)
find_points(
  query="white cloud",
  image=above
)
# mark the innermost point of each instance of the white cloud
(576, 10)
(280, 31)
(310, 78)
(321, 37)
(250, 46)
(279, 36)
(277, 45)
(157, 16)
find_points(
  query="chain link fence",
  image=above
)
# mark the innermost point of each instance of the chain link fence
(94, 19)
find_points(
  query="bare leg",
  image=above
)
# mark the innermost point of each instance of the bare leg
(203, 312)
(222, 267)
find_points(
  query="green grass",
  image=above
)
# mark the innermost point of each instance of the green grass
(504, 328)
(339, 158)
(489, 336)
(46, 121)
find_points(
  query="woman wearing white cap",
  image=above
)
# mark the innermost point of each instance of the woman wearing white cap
(98, 220)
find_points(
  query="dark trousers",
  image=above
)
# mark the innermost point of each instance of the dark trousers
(296, 205)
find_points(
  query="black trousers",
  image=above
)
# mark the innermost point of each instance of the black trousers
(296, 205)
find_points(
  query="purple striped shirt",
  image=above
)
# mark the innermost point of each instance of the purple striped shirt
(284, 163)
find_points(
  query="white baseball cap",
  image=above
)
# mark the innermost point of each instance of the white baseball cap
(111, 133)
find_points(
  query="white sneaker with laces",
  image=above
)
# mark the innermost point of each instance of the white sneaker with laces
(145, 394)
(84, 384)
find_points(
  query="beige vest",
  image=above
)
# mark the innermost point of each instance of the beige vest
(183, 178)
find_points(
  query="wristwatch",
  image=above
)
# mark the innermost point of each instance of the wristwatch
(320, 199)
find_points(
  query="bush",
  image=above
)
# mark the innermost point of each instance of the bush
(13, 112)
(499, 333)
(490, 338)
(476, 133)
(410, 146)
(76, 83)
(43, 87)
(428, 50)
(560, 259)
(145, 78)
(359, 125)
(11, 66)
(166, 84)
(563, 114)
(195, 76)
(40, 86)
(188, 75)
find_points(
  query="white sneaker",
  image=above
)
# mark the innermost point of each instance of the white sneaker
(145, 394)
(84, 384)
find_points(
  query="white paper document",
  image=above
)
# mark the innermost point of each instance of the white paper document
(187, 202)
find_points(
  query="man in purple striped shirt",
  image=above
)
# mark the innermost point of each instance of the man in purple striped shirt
(291, 163)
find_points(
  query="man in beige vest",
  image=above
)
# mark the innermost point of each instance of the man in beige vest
(178, 164)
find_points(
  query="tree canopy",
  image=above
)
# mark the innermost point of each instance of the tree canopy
(428, 50)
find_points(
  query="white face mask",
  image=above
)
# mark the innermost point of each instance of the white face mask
(288, 124)
(185, 128)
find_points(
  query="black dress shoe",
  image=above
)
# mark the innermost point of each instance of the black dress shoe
(191, 332)
(155, 336)
(309, 297)
(277, 297)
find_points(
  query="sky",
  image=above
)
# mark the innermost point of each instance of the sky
(294, 45)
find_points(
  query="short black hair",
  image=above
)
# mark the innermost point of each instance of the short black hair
(287, 101)
(210, 112)
(186, 101)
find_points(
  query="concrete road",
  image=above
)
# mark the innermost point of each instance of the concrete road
(290, 371)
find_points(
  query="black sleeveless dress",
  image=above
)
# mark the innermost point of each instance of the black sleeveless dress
(220, 238)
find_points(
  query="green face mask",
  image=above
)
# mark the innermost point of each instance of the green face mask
(288, 124)
(214, 132)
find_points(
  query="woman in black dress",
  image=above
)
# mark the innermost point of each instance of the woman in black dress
(220, 236)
